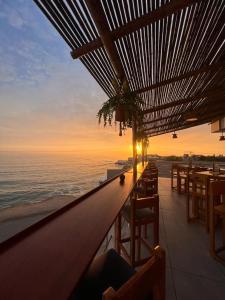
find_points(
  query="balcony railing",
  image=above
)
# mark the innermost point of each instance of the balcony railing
(46, 260)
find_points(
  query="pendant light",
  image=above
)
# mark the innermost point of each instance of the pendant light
(222, 137)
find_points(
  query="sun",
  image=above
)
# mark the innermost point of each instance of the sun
(139, 148)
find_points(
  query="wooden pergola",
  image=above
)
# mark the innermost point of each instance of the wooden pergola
(171, 52)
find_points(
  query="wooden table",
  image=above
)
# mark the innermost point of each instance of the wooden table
(47, 260)
(211, 175)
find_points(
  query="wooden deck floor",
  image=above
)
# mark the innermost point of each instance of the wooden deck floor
(192, 274)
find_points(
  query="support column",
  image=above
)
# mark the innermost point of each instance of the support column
(134, 132)
(133, 195)
(143, 152)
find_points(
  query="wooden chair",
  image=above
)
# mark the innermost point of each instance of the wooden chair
(217, 211)
(198, 195)
(147, 283)
(182, 179)
(139, 214)
(148, 186)
(196, 187)
(173, 175)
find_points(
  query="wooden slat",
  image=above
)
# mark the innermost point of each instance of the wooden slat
(170, 51)
(99, 18)
(177, 127)
(214, 92)
(165, 10)
(214, 67)
(202, 111)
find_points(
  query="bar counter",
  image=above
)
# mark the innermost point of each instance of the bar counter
(47, 260)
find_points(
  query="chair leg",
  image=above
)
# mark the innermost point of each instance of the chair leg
(132, 243)
(146, 231)
(223, 231)
(156, 232)
(139, 242)
(212, 232)
(178, 184)
(207, 213)
(118, 234)
(188, 207)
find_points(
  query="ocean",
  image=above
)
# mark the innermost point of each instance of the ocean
(35, 177)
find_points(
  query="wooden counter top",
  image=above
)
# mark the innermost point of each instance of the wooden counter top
(47, 260)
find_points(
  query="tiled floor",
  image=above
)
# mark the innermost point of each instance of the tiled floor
(192, 274)
(191, 271)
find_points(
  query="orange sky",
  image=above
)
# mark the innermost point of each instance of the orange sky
(98, 140)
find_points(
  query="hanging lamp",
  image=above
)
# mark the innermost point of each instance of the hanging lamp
(222, 137)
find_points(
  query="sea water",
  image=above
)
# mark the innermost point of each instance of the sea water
(35, 177)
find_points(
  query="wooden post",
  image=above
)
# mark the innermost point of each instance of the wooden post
(133, 195)
(146, 153)
(134, 131)
(143, 152)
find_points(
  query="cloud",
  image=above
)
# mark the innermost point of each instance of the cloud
(15, 20)
(7, 73)
(12, 16)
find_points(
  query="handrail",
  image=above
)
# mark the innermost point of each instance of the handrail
(47, 260)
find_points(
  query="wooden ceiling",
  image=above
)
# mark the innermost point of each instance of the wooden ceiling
(171, 52)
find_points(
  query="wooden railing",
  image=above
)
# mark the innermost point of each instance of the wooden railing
(47, 260)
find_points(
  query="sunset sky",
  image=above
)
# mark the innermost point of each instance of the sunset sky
(49, 102)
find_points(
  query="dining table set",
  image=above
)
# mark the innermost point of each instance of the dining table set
(204, 189)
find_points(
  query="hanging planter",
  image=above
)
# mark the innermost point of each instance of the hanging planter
(141, 135)
(120, 114)
(123, 106)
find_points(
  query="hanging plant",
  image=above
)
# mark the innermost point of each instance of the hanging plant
(141, 135)
(146, 142)
(124, 105)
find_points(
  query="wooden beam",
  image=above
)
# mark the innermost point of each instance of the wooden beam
(215, 68)
(217, 103)
(172, 130)
(213, 92)
(164, 11)
(98, 15)
(177, 127)
(181, 121)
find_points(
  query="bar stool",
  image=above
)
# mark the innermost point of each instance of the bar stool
(217, 211)
(199, 199)
(139, 213)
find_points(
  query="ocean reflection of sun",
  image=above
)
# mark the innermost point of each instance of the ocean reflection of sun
(138, 148)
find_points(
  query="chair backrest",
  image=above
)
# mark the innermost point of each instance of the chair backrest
(147, 282)
(200, 169)
(217, 188)
(151, 202)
